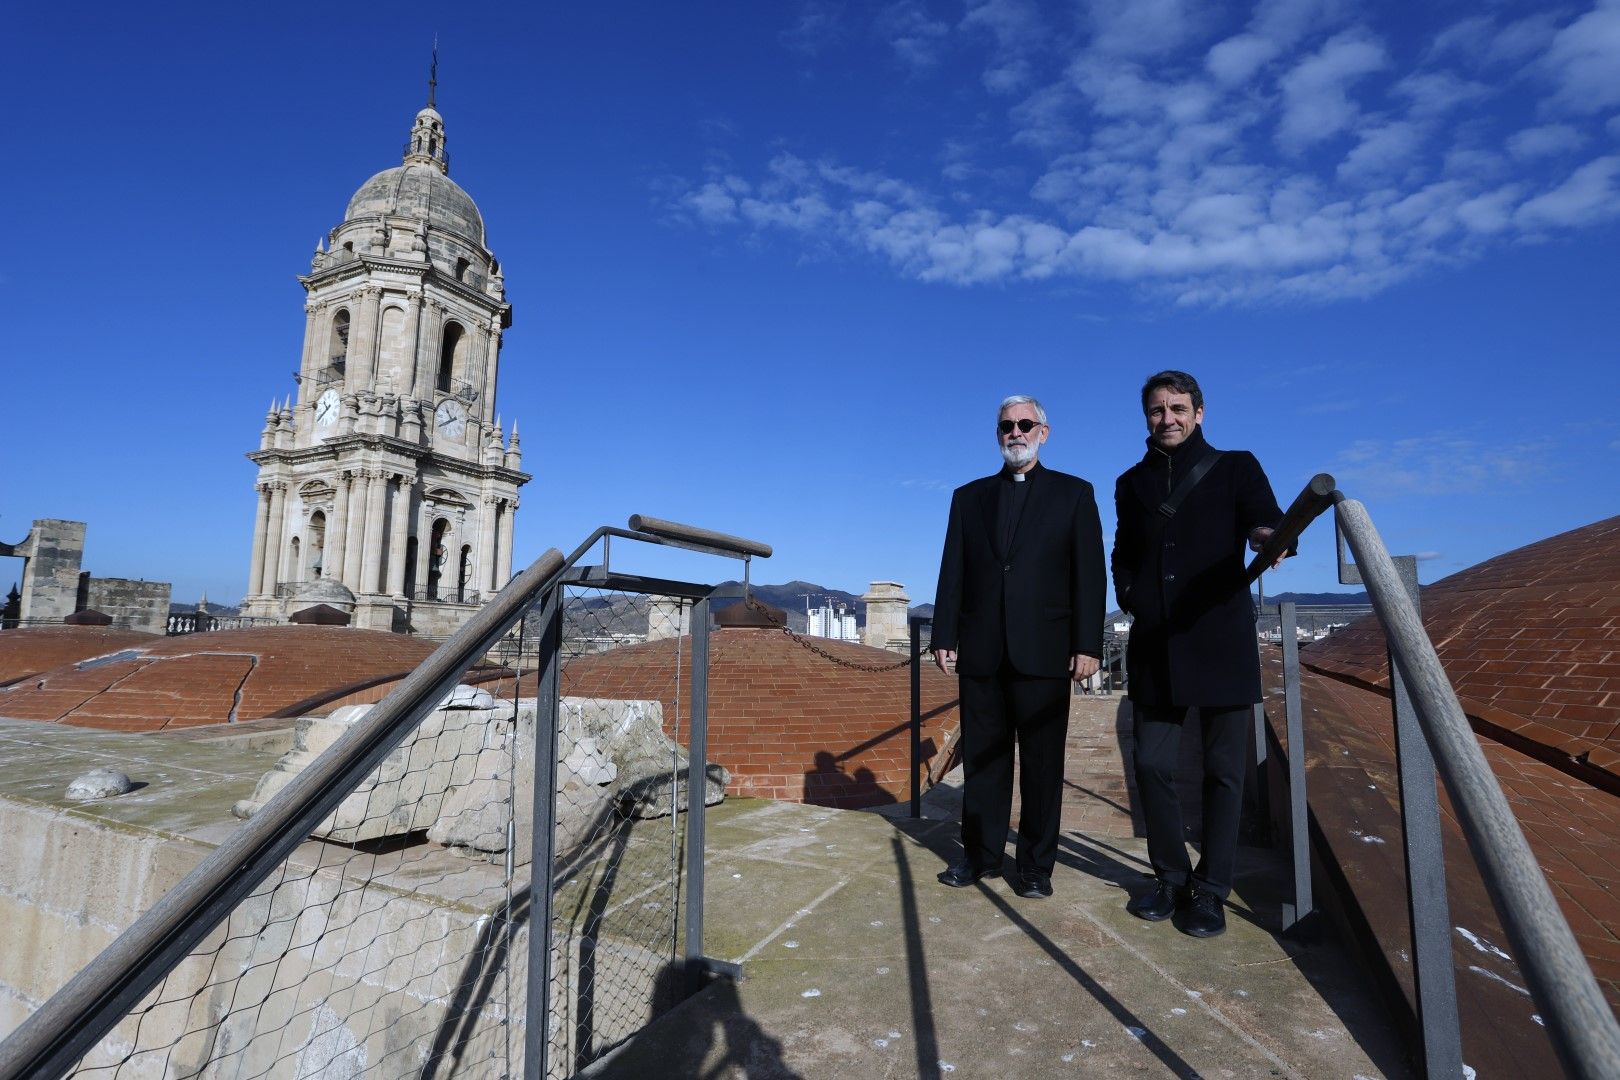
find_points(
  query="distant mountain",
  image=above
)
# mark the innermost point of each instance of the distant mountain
(213, 609)
(1321, 599)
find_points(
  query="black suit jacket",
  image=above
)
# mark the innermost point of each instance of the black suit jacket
(1037, 603)
(1185, 579)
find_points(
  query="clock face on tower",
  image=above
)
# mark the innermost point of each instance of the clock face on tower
(450, 419)
(326, 408)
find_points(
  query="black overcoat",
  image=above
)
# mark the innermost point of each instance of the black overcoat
(1184, 579)
(1039, 602)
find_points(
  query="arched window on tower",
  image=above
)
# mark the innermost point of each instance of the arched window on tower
(295, 566)
(462, 265)
(436, 557)
(317, 543)
(338, 347)
(449, 350)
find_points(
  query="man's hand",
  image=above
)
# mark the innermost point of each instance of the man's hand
(1257, 541)
(1082, 666)
(945, 659)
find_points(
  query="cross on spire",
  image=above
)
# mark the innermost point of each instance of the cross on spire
(433, 74)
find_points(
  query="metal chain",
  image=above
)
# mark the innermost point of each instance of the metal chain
(823, 653)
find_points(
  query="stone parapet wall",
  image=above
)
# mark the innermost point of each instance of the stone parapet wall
(135, 605)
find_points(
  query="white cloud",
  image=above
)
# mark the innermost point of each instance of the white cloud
(1587, 197)
(1018, 30)
(1144, 28)
(1316, 99)
(1382, 150)
(1491, 212)
(1441, 464)
(1544, 141)
(918, 39)
(818, 25)
(1237, 58)
(1479, 42)
(1434, 93)
(1154, 162)
(1584, 58)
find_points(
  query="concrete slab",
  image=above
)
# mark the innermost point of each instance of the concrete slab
(857, 963)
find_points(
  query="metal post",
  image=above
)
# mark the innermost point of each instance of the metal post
(1299, 825)
(537, 1021)
(697, 777)
(916, 716)
(1433, 975)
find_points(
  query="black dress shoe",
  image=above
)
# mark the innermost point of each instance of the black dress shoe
(1204, 915)
(964, 873)
(1032, 884)
(1157, 905)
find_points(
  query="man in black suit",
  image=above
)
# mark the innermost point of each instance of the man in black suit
(1179, 570)
(1019, 611)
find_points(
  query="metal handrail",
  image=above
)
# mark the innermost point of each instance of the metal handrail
(1583, 1028)
(1308, 505)
(82, 1012)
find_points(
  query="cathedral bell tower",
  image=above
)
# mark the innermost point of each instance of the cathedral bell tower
(388, 473)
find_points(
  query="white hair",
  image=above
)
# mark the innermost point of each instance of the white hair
(1022, 399)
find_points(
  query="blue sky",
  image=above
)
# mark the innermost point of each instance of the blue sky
(772, 265)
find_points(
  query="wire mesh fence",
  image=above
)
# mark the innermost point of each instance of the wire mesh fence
(394, 940)
(380, 947)
(620, 844)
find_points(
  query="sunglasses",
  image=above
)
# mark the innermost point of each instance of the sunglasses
(1026, 426)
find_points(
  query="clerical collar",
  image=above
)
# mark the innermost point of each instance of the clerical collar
(1019, 478)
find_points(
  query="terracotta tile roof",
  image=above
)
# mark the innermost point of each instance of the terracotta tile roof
(214, 678)
(1531, 640)
(787, 723)
(32, 649)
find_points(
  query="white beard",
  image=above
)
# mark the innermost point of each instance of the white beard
(1018, 456)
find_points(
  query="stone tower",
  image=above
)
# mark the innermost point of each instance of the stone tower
(388, 472)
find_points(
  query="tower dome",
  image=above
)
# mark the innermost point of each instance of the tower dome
(421, 187)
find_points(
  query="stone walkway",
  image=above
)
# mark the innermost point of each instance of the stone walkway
(857, 964)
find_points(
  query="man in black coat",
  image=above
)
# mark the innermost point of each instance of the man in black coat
(1179, 570)
(1019, 611)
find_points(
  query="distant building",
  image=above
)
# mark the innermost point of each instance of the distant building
(55, 589)
(835, 623)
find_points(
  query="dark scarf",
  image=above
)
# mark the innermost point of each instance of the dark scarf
(1173, 464)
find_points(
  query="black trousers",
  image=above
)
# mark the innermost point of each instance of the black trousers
(1158, 750)
(997, 711)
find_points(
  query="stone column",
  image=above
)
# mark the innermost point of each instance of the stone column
(424, 550)
(353, 541)
(272, 543)
(305, 368)
(427, 353)
(413, 349)
(363, 340)
(261, 519)
(376, 492)
(484, 572)
(492, 352)
(504, 559)
(887, 609)
(399, 517)
(337, 528)
(668, 616)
